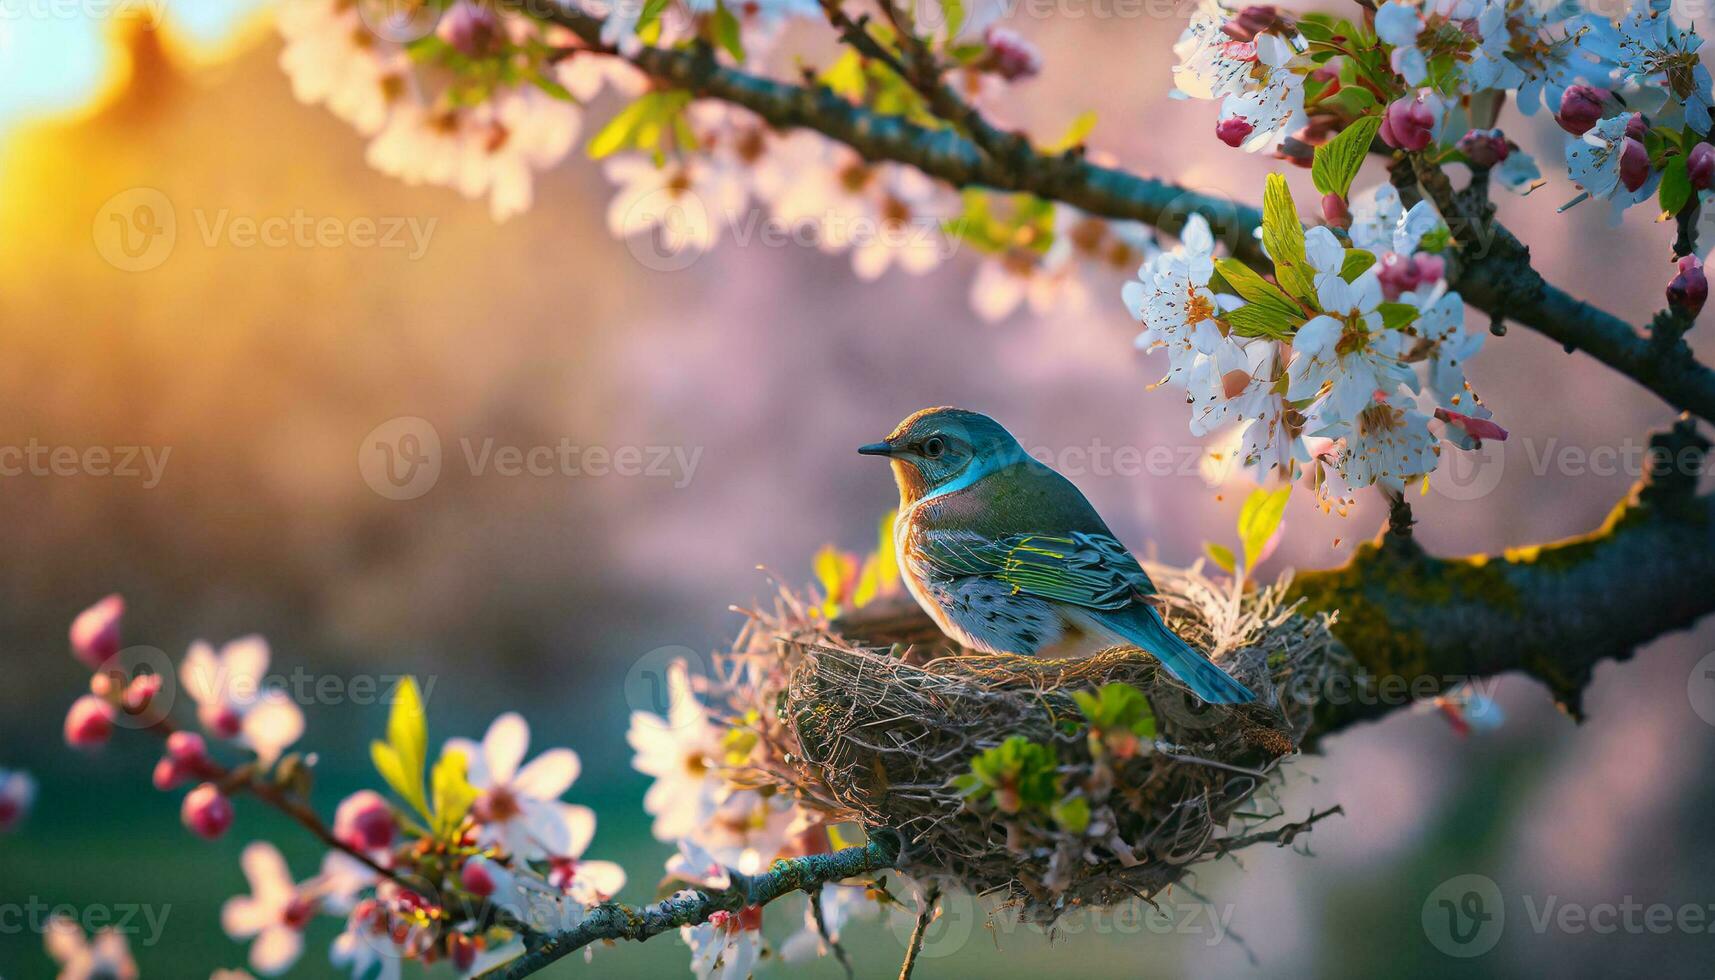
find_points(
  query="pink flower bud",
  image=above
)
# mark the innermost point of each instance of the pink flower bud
(206, 812)
(140, 692)
(1689, 290)
(188, 748)
(1473, 427)
(1335, 211)
(169, 774)
(1398, 274)
(1634, 165)
(1430, 268)
(89, 723)
(1637, 127)
(1009, 55)
(219, 720)
(1233, 131)
(461, 949)
(476, 879)
(1700, 164)
(364, 821)
(1250, 22)
(95, 631)
(472, 29)
(1408, 124)
(1581, 108)
(1484, 147)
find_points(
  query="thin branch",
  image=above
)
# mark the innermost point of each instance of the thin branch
(821, 920)
(925, 917)
(612, 920)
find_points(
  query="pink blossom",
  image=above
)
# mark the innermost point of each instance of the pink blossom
(1473, 427)
(1408, 124)
(1335, 211)
(1485, 147)
(141, 692)
(1250, 22)
(207, 812)
(1581, 108)
(476, 878)
(364, 821)
(1700, 165)
(95, 631)
(1009, 55)
(1634, 165)
(1233, 131)
(1637, 127)
(472, 29)
(89, 723)
(1689, 289)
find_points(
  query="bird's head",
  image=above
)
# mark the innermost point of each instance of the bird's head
(940, 449)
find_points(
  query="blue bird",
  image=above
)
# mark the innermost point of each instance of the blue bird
(1008, 557)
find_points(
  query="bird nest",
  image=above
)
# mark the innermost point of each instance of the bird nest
(875, 717)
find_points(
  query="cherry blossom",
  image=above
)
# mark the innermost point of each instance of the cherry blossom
(233, 701)
(1390, 445)
(688, 200)
(273, 916)
(107, 958)
(519, 809)
(1653, 50)
(680, 751)
(95, 632)
(1343, 357)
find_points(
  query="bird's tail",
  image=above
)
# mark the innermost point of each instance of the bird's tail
(1143, 626)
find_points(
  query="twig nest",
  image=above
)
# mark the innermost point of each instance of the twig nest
(1000, 778)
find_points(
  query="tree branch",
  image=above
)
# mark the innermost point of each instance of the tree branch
(1498, 280)
(612, 920)
(1419, 625)
(925, 916)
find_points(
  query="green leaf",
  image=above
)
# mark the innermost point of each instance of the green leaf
(1254, 289)
(453, 793)
(1221, 555)
(400, 760)
(1351, 100)
(1263, 321)
(1397, 315)
(641, 124)
(1283, 237)
(1338, 161)
(1675, 185)
(727, 34)
(1357, 262)
(649, 21)
(954, 12)
(1075, 135)
(1072, 814)
(846, 76)
(1259, 519)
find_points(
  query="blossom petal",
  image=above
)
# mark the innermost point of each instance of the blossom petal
(273, 724)
(276, 949)
(504, 746)
(549, 775)
(579, 822)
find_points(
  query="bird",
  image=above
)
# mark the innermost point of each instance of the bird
(1007, 555)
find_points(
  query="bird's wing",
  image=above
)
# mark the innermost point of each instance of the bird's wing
(1090, 570)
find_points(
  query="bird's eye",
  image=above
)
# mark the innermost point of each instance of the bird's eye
(934, 446)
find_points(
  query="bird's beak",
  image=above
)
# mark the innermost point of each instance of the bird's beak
(876, 449)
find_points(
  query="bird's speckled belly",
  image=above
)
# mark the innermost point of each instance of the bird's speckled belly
(985, 615)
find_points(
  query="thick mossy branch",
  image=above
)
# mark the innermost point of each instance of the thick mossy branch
(1419, 624)
(612, 921)
(1495, 274)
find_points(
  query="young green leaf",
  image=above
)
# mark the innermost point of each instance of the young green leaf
(1675, 184)
(1283, 237)
(1254, 289)
(1221, 555)
(1356, 264)
(1338, 161)
(1259, 519)
(727, 33)
(1263, 321)
(954, 12)
(1072, 814)
(1075, 134)
(1397, 315)
(400, 759)
(453, 793)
